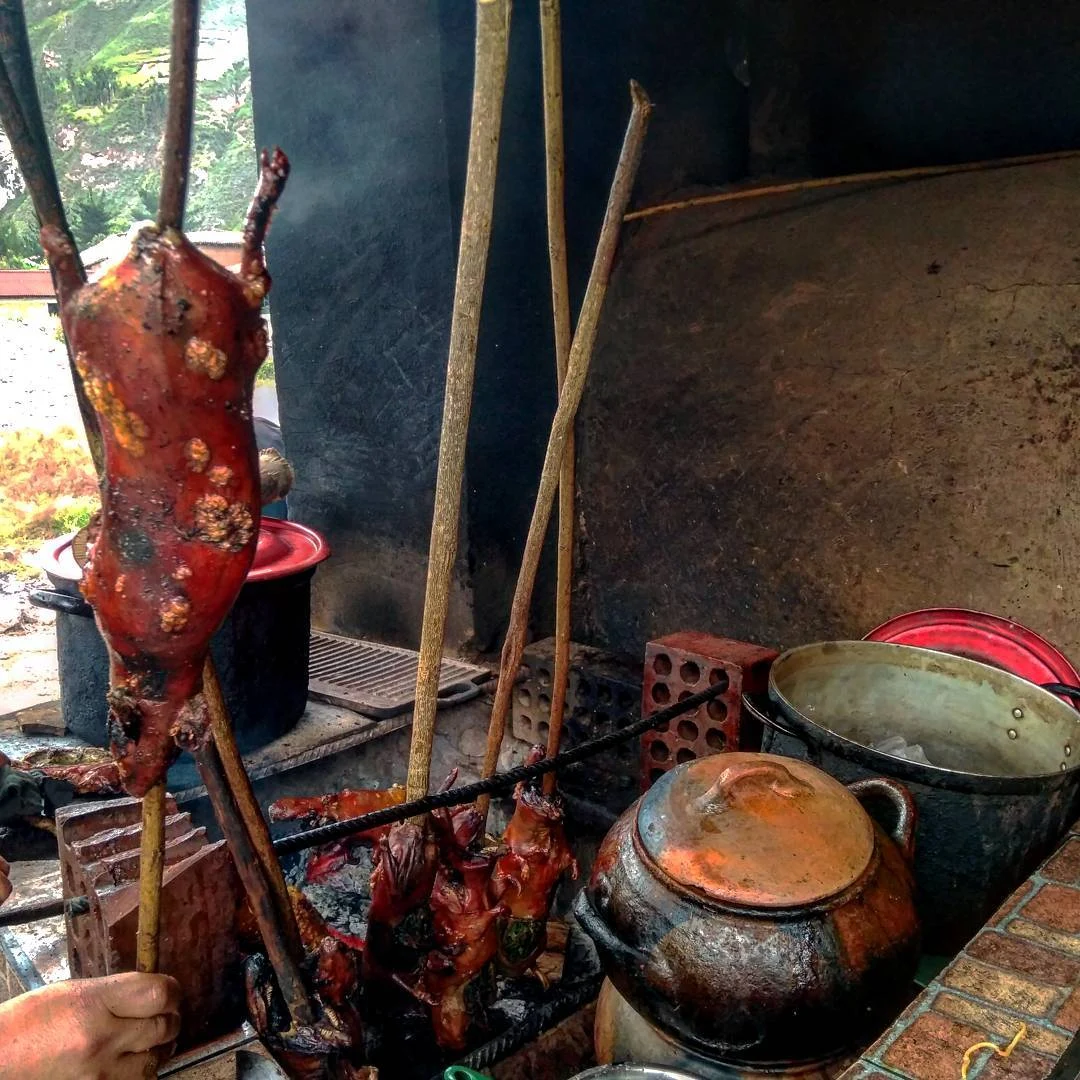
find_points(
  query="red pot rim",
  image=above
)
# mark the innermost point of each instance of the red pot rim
(978, 635)
(284, 548)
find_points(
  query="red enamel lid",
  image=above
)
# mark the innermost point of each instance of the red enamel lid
(283, 548)
(990, 639)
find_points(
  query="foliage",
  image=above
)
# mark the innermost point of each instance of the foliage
(266, 376)
(47, 486)
(102, 71)
(93, 217)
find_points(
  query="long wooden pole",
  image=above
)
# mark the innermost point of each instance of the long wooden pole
(249, 866)
(562, 424)
(21, 117)
(248, 806)
(183, 63)
(555, 157)
(818, 183)
(185, 31)
(489, 81)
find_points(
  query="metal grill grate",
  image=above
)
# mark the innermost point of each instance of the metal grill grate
(380, 680)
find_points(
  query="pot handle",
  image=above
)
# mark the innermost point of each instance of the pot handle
(762, 714)
(60, 601)
(1063, 689)
(903, 829)
(456, 693)
(589, 921)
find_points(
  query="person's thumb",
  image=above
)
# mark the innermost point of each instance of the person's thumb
(134, 995)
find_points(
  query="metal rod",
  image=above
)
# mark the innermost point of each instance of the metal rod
(506, 781)
(178, 122)
(562, 424)
(51, 909)
(340, 830)
(254, 823)
(289, 978)
(151, 871)
(555, 159)
(489, 82)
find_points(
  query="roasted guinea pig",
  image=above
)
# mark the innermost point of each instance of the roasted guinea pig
(167, 344)
(330, 1047)
(536, 855)
(340, 806)
(466, 941)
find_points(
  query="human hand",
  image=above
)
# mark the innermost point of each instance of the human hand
(5, 883)
(88, 1029)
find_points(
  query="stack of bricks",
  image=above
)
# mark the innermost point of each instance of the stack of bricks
(1022, 968)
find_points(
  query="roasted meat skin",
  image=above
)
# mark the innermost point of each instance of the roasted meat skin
(399, 934)
(88, 770)
(466, 941)
(167, 344)
(524, 878)
(339, 806)
(331, 1046)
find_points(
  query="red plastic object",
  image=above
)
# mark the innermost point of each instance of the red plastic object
(989, 639)
(283, 548)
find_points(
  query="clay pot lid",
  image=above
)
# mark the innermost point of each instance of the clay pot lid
(755, 830)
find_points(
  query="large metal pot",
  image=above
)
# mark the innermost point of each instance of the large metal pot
(750, 907)
(261, 650)
(1003, 784)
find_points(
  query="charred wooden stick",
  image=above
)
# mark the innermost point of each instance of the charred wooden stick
(20, 115)
(562, 424)
(254, 823)
(182, 66)
(249, 867)
(492, 40)
(555, 157)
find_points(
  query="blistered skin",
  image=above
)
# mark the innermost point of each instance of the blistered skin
(536, 855)
(167, 344)
(466, 941)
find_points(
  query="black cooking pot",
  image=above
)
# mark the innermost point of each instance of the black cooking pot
(1004, 782)
(261, 650)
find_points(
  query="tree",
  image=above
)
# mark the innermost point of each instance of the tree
(93, 217)
(235, 82)
(94, 86)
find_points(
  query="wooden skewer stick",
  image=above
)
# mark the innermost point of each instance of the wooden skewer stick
(183, 60)
(489, 82)
(151, 869)
(185, 32)
(562, 424)
(258, 831)
(555, 157)
(20, 115)
(249, 867)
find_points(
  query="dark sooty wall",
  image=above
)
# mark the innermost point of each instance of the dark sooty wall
(807, 415)
(371, 101)
(765, 385)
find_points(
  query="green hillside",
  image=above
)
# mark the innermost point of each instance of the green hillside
(102, 69)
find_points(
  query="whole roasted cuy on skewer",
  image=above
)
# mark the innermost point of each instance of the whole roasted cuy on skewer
(167, 343)
(526, 875)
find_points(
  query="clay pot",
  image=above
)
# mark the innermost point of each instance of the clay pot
(749, 906)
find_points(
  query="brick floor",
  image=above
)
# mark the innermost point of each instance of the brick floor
(1065, 865)
(1057, 907)
(1022, 968)
(1044, 965)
